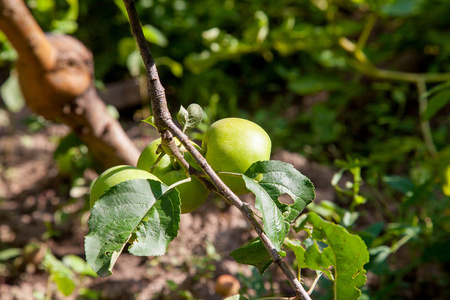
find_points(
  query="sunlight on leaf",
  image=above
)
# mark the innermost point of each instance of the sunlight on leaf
(282, 178)
(333, 246)
(135, 206)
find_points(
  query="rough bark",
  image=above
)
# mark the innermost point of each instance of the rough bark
(56, 75)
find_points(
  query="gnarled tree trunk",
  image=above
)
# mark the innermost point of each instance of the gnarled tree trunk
(56, 76)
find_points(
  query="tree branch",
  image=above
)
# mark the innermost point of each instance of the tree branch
(25, 35)
(365, 66)
(165, 124)
(56, 75)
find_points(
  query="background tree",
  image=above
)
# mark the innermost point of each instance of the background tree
(56, 75)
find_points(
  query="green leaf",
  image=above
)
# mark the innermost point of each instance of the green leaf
(60, 273)
(402, 8)
(311, 257)
(400, 183)
(54, 266)
(134, 63)
(282, 178)
(182, 115)
(78, 264)
(254, 254)
(195, 112)
(273, 221)
(153, 35)
(144, 207)
(45, 5)
(435, 90)
(12, 94)
(10, 253)
(73, 11)
(345, 252)
(175, 67)
(436, 103)
(191, 117)
(122, 7)
(268, 180)
(257, 31)
(125, 47)
(151, 121)
(159, 227)
(65, 284)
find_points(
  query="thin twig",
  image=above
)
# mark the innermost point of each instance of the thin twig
(365, 66)
(425, 124)
(366, 31)
(157, 93)
(168, 129)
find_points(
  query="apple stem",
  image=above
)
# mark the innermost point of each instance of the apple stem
(156, 162)
(172, 186)
(230, 174)
(174, 163)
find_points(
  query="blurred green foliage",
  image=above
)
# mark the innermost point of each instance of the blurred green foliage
(289, 66)
(282, 65)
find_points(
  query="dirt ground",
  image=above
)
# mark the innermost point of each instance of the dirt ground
(37, 205)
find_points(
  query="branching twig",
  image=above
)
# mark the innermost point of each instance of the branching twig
(365, 66)
(168, 129)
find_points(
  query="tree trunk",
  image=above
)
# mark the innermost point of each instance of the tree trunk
(56, 75)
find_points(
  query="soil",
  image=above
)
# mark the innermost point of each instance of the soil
(38, 207)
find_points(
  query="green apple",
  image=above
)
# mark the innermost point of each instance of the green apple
(233, 145)
(192, 193)
(115, 175)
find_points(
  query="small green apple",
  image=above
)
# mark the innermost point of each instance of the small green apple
(192, 193)
(233, 145)
(115, 175)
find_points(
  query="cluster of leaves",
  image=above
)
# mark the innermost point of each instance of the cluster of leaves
(149, 211)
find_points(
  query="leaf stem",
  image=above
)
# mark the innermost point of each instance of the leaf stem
(316, 280)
